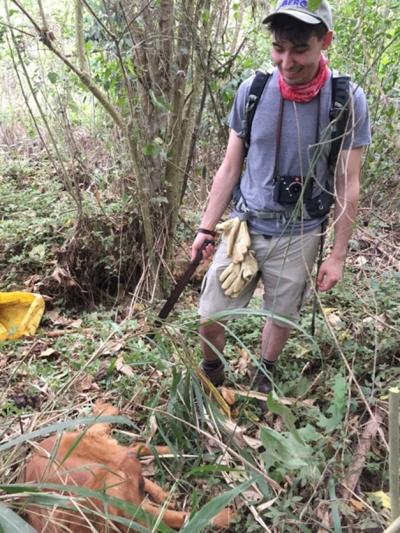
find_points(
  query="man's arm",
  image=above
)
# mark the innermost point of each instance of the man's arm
(225, 179)
(347, 194)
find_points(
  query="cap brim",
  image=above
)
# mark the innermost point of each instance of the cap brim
(300, 15)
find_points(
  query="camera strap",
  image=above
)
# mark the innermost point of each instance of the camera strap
(279, 132)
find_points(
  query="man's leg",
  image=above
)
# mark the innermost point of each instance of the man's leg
(274, 338)
(212, 342)
(214, 300)
(212, 333)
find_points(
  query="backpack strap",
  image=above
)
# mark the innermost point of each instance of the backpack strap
(256, 90)
(338, 115)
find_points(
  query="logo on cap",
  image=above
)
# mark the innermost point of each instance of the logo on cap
(298, 3)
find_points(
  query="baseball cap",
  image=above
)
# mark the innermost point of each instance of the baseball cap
(300, 9)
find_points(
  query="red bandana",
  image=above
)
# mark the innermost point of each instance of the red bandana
(306, 92)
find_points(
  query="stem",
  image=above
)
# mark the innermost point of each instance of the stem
(79, 36)
(394, 441)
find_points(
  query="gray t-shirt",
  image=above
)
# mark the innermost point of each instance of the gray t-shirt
(303, 138)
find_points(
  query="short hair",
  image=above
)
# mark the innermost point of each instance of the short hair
(288, 28)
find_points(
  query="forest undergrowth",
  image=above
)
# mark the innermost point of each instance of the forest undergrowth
(317, 459)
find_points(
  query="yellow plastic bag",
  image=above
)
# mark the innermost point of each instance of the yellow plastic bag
(20, 314)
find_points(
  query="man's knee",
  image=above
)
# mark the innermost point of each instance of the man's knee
(210, 329)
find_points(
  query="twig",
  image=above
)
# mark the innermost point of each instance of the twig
(351, 480)
(393, 528)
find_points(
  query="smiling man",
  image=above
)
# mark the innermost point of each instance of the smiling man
(300, 131)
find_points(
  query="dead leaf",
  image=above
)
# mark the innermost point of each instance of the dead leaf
(244, 361)
(86, 383)
(335, 321)
(251, 496)
(264, 506)
(361, 261)
(261, 396)
(112, 347)
(55, 317)
(123, 368)
(357, 505)
(153, 426)
(228, 395)
(62, 276)
(76, 323)
(48, 352)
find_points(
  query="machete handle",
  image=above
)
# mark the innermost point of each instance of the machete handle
(199, 256)
(181, 284)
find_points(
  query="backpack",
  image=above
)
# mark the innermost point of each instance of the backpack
(338, 115)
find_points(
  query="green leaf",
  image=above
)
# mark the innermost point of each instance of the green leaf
(208, 469)
(203, 517)
(338, 407)
(335, 507)
(276, 407)
(309, 434)
(159, 103)
(10, 522)
(284, 449)
(313, 5)
(53, 77)
(38, 252)
(151, 149)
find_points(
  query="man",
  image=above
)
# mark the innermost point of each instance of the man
(288, 145)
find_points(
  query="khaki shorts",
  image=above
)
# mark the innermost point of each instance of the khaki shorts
(285, 265)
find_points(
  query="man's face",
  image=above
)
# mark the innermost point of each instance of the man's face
(298, 63)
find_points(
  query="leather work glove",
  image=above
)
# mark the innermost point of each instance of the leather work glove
(238, 238)
(229, 229)
(235, 278)
(243, 267)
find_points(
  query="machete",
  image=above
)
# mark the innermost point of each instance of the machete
(181, 284)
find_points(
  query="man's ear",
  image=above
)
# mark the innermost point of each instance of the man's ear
(327, 40)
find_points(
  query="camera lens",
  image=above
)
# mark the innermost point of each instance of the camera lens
(294, 189)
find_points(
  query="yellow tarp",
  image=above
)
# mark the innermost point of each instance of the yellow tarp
(20, 314)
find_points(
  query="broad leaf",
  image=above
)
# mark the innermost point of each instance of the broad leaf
(276, 407)
(284, 449)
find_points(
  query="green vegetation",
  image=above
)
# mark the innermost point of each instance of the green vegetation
(71, 228)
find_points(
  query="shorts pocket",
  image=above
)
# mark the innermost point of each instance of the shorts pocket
(305, 295)
(203, 284)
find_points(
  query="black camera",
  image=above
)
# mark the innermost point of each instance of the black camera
(288, 189)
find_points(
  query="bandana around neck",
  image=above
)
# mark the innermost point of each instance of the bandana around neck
(307, 91)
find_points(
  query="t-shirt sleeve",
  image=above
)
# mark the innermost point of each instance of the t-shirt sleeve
(237, 114)
(359, 130)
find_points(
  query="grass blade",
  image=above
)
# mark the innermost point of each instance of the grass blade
(10, 522)
(60, 426)
(34, 496)
(203, 517)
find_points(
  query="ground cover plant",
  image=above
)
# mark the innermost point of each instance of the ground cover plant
(70, 229)
(327, 386)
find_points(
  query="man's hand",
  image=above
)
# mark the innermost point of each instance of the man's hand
(330, 272)
(198, 243)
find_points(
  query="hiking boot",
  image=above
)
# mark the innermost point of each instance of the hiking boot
(262, 383)
(214, 372)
